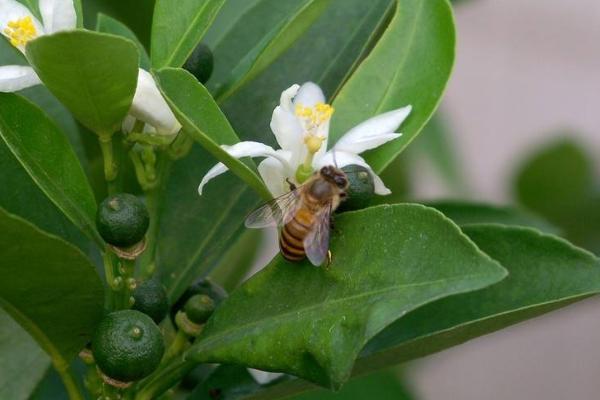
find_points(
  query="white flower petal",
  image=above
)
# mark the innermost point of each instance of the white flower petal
(12, 10)
(342, 158)
(246, 149)
(58, 15)
(263, 377)
(273, 174)
(149, 106)
(285, 101)
(286, 128)
(373, 132)
(309, 94)
(17, 77)
(215, 171)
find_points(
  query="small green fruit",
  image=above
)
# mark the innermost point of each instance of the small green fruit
(199, 308)
(127, 345)
(122, 220)
(360, 188)
(200, 63)
(201, 286)
(150, 297)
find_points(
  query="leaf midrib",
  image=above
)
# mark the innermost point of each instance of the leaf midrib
(72, 206)
(241, 329)
(186, 33)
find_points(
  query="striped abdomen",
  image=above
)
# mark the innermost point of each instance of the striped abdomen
(293, 234)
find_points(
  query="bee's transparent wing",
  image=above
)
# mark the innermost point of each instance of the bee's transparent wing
(316, 243)
(276, 212)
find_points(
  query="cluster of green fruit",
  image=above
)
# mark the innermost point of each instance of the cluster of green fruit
(128, 345)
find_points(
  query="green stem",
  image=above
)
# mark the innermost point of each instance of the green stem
(154, 197)
(68, 379)
(165, 378)
(110, 165)
(177, 346)
(126, 271)
(110, 275)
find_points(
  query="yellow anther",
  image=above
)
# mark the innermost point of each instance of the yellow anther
(304, 112)
(20, 31)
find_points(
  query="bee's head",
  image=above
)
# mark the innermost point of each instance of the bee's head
(335, 176)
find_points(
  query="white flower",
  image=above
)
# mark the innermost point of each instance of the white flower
(301, 126)
(150, 107)
(19, 26)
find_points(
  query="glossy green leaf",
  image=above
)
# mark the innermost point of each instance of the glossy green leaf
(317, 329)
(177, 27)
(335, 42)
(196, 231)
(107, 24)
(467, 213)
(279, 37)
(382, 385)
(49, 287)
(203, 120)
(559, 182)
(234, 382)
(82, 68)
(545, 273)
(410, 65)
(23, 363)
(48, 158)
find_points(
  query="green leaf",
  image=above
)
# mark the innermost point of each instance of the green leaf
(177, 27)
(107, 24)
(23, 364)
(558, 182)
(270, 46)
(234, 382)
(334, 42)
(93, 74)
(410, 65)
(48, 158)
(382, 385)
(49, 287)
(545, 273)
(196, 231)
(317, 329)
(467, 213)
(202, 119)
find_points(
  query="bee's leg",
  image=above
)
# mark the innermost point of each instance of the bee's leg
(292, 185)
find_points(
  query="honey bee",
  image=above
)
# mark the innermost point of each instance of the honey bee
(304, 215)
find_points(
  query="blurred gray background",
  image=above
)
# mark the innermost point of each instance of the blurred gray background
(525, 70)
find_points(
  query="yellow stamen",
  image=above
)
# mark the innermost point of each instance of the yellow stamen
(20, 31)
